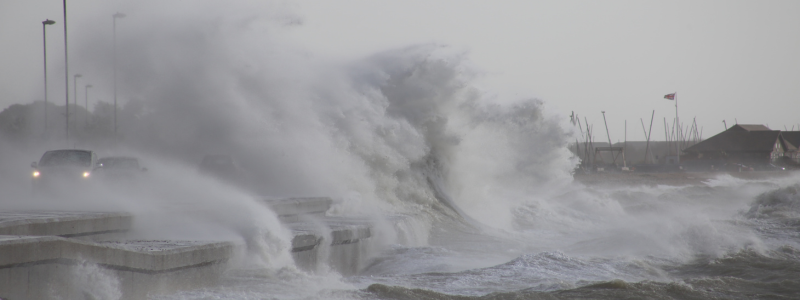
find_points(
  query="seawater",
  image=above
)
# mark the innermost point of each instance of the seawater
(726, 240)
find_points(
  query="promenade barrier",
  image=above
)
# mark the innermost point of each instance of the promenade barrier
(57, 254)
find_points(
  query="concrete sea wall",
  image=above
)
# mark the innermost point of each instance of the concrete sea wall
(82, 255)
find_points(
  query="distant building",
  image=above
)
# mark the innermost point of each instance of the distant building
(745, 144)
(793, 137)
(749, 127)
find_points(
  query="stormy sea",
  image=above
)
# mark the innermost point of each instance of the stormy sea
(732, 239)
(475, 199)
(471, 191)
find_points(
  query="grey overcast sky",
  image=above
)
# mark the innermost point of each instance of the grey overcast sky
(727, 60)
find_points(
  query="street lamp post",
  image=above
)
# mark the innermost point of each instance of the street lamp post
(66, 74)
(75, 92)
(44, 38)
(114, 21)
(86, 104)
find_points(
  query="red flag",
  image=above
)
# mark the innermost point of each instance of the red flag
(670, 96)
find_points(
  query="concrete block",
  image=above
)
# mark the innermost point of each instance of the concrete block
(32, 266)
(343, 244)
(65, 224)
(293, 209)
(40, 251)
(14, 283)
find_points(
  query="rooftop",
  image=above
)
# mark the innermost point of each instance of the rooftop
(749, 127)
(747, 138)
(793, 137)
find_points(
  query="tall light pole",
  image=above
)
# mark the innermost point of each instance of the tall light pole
(114, 21)
(75, 91)
(86, 104)
(44, 38)
(66, 73)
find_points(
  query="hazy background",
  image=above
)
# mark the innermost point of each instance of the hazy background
(726, 59)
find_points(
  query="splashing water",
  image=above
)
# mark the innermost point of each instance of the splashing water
(89, 281)
(474, 191)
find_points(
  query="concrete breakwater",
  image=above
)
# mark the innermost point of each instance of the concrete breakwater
(47, 254)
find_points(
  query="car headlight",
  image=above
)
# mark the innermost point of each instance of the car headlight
(86, 174)
(36, 174)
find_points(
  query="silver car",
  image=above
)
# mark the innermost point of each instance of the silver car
(64, 168)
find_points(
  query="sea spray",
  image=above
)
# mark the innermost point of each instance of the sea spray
(780, 204)
(180, 203)
(89, 281)
(381, 127)
(668, 222)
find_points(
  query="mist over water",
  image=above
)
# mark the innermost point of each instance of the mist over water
(477, 192)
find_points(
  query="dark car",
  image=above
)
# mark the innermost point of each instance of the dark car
(770, 167)
(119, 168)
(64, 168)
(737, 167)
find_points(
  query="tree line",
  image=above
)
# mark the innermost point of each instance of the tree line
(25, 123)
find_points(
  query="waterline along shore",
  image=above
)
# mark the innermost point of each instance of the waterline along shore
(671, 178)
